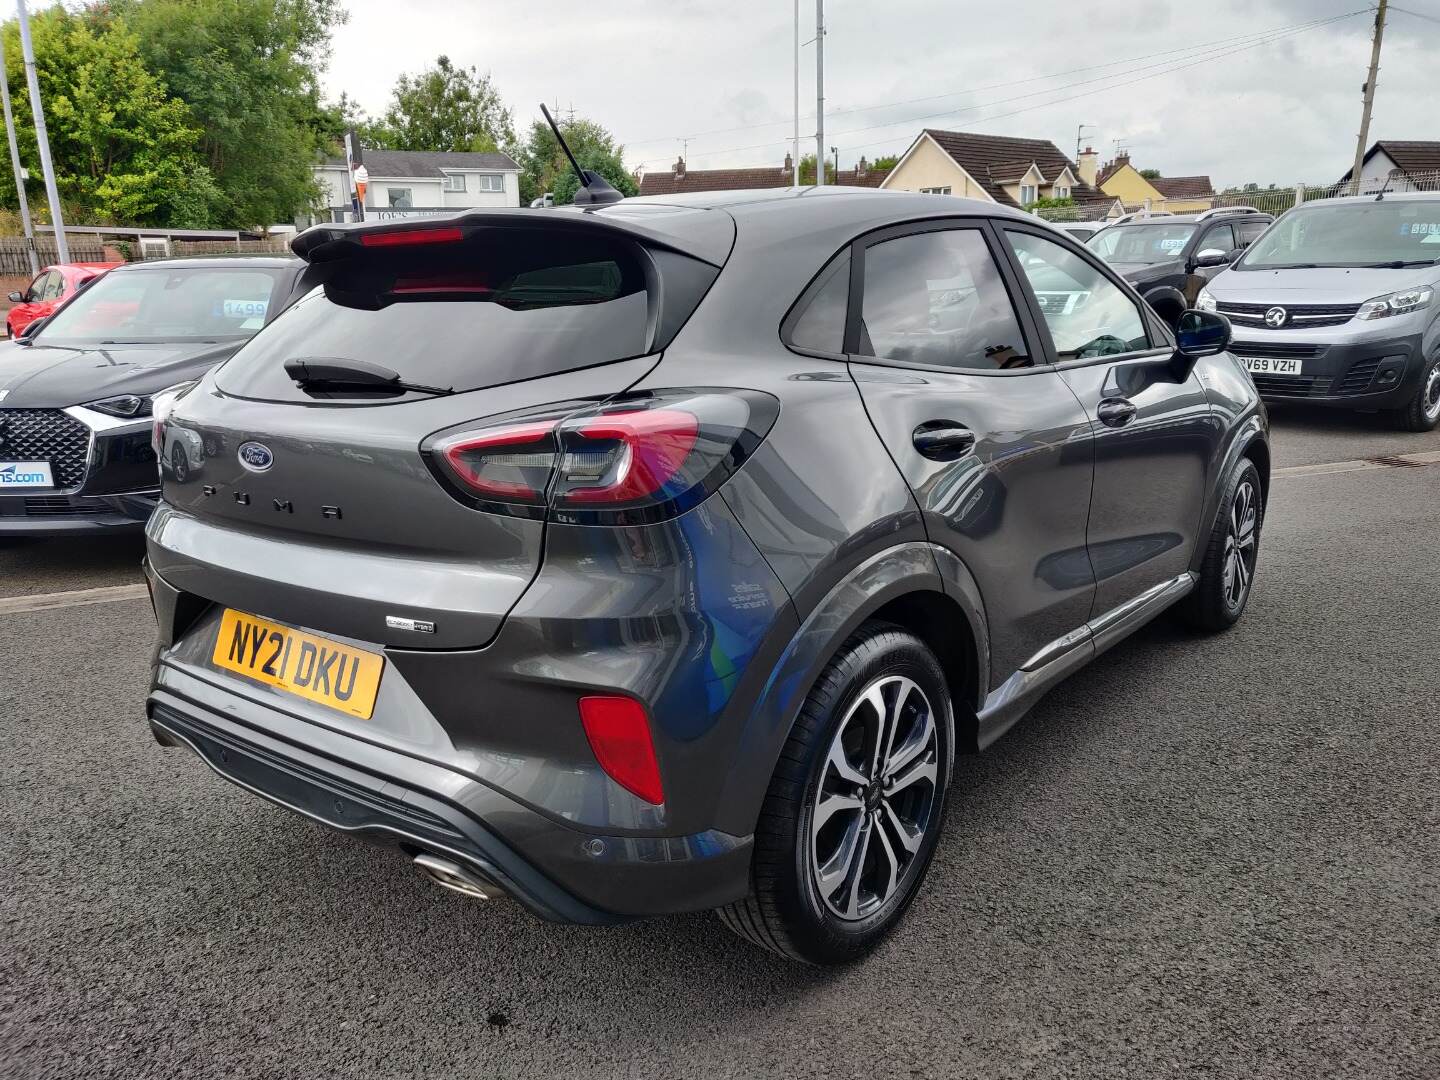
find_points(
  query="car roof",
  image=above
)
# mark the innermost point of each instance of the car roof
(1190, 219)
(210, 262)
(1389, 196)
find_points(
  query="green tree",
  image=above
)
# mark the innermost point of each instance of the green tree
(1150, 174)
(1049, 204)
(807, 170)
(543, 167)
(124, 149)
(444, 108)
(249, 72)
(889, 161)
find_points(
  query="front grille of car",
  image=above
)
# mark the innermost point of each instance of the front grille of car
(1298, 316)
(1358, 379)
(1290, 386)
(46, 435)
(1277, 350)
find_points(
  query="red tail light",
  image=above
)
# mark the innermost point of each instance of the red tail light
(407, 237)
(509, 464)
(619, 734)
(621, 463)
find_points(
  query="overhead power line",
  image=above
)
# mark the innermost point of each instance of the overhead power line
(1194, 47)
(1165, 68)
(1415, 14)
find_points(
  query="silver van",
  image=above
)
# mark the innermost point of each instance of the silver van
(1336, 304)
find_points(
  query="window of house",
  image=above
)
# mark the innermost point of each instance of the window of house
(1027, 194)
(454, 182)
(935, 190)
(1088, 314)
(1062, 192)
(491, 181)
(937, 299)
(400, 197)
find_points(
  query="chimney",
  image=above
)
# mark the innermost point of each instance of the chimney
(789, 165)
(1089, 167)
(862, 167)
(679, 168)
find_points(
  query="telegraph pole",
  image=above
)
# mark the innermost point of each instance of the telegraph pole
(795, 170)
(1361, 144)
(19, 169)
(819, 93)
(42, 137)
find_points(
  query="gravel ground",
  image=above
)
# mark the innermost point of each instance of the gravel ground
(1203, 857)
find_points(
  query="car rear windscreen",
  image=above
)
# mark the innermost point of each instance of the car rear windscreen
(498, 306)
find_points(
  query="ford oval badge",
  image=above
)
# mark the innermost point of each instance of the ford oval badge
(255, 456)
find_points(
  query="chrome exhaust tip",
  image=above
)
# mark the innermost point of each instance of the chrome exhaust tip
(451, 875)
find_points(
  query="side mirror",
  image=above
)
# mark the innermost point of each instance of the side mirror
(17, 298)
(1213, 257)
(1202, 333)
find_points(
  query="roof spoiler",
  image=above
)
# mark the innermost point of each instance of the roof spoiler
(707, 241)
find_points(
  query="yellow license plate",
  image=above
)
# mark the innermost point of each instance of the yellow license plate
(310, 666)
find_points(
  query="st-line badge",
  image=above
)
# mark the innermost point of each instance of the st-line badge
(420, 626)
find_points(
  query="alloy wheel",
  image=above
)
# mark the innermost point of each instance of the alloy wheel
(876, 799)
(1241, 545)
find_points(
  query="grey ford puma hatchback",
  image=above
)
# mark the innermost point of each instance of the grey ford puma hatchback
(660, 557)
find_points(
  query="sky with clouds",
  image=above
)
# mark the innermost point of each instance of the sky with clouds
(1244, 90)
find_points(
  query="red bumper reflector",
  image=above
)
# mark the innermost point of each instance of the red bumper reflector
(619, 733)
(406, 237)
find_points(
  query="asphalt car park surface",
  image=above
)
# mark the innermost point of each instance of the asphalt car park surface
(1213, 857)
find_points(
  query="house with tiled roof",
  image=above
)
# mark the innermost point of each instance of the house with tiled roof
(422, 183)
(1400, 165)
(679, 179)
(996, 168)
(1177, 194)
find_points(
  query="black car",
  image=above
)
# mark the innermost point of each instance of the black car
(1169, 259)
(76, 388)
(660, 556)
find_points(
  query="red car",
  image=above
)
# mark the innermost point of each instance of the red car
(51, 287)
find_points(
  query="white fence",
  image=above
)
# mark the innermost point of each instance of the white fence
(1272, 199)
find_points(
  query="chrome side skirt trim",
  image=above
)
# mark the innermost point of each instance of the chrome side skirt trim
(1066, 655)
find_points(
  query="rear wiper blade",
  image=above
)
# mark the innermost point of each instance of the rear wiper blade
(333, 372)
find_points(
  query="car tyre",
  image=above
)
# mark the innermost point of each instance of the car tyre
(1232, 549)
(1423, 412)
(854, 809)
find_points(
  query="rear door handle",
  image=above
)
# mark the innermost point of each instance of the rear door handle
(943, 440)
(1116, 412)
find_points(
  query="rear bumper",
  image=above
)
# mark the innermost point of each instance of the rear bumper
(560, 873)
(1381, 374)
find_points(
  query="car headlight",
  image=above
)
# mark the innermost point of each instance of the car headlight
(161, 406)
(126, 406)
(1396, 303)
(1205, 301)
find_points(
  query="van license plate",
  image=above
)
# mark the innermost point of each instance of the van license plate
(1267, 365)
(307, 665)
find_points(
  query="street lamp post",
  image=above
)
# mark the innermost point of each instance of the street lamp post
(42, 137)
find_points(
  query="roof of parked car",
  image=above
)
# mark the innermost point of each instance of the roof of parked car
(204, 262)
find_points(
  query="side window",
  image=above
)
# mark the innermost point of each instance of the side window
(937, 298)
(38, 287)
(1088, 314)
(1218, 236)
(821, 325)
(1247, 232)
(56, 287)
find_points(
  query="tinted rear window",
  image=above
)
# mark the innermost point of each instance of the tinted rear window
(500, 306)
